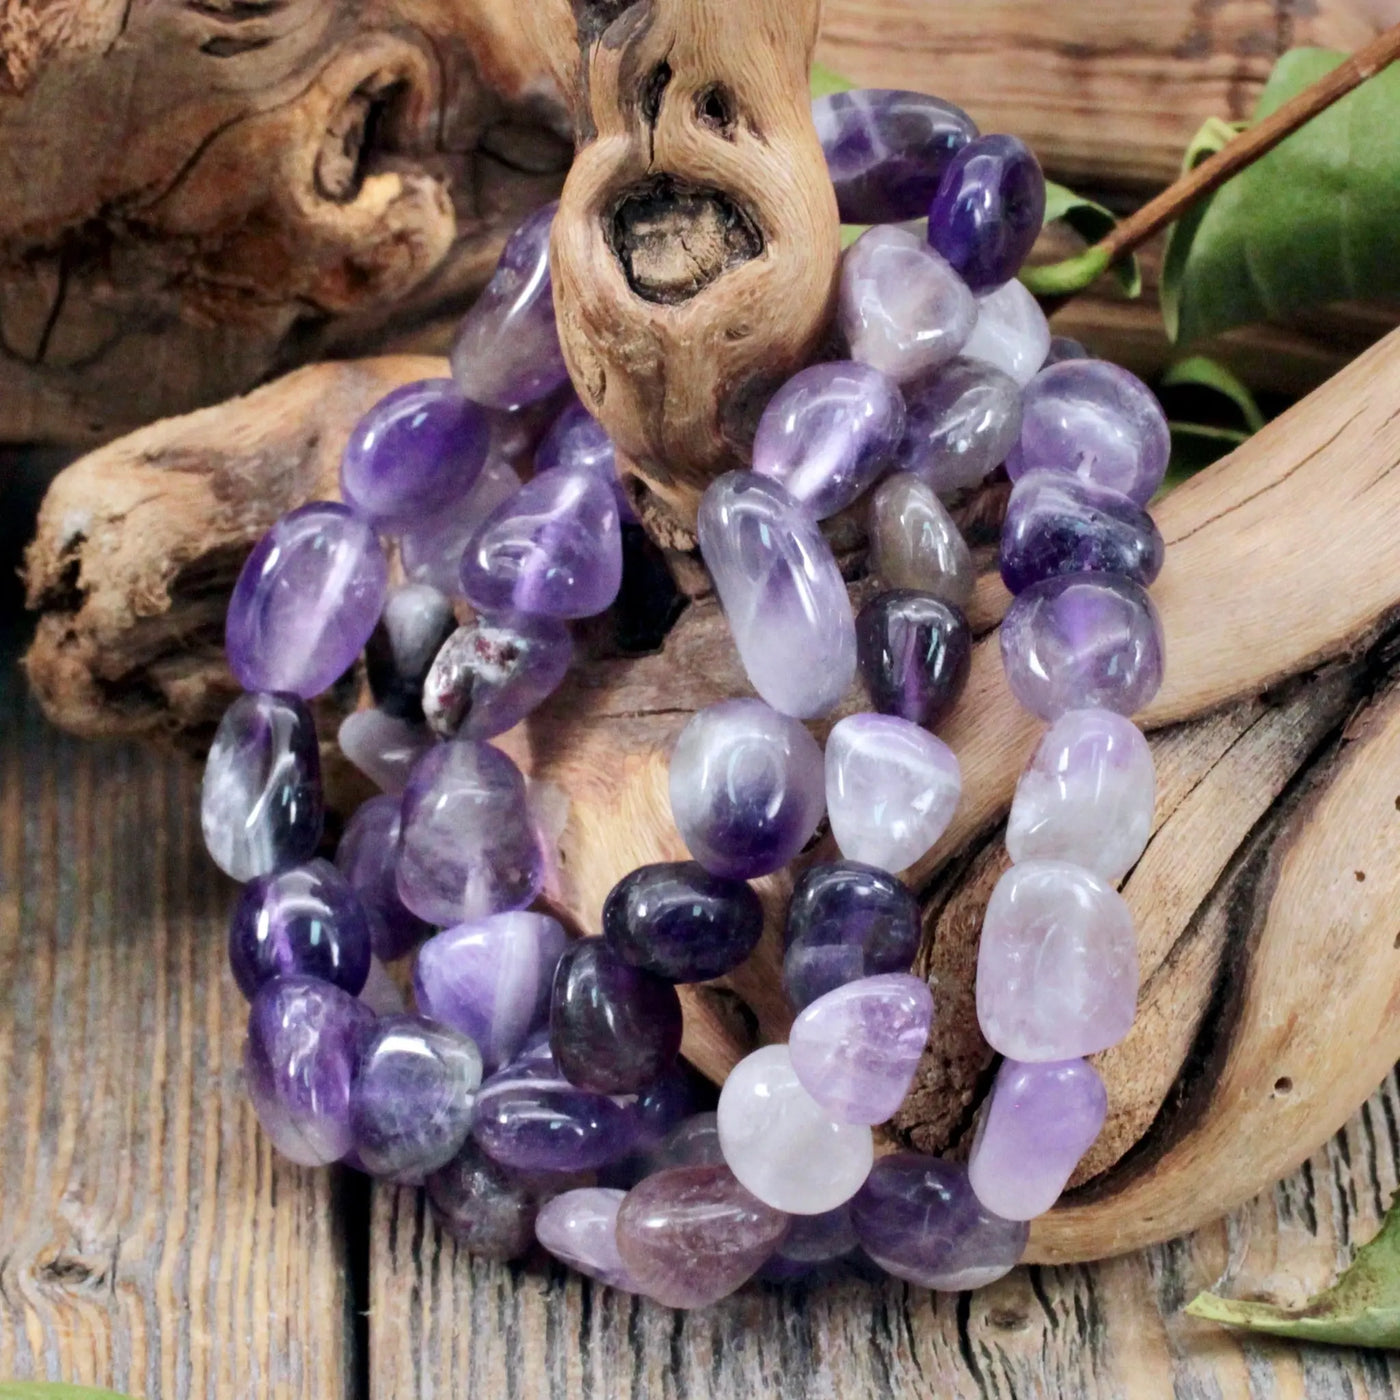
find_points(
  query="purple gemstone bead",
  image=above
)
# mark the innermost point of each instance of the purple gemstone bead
(367, 856)
(303, 920)
(468, 847)
(580, 1228)
(914, 543)
(811, 1242)
(491, 980)
(915, 655)
(748, 788)
(417, 620)
(418, 451)
(507, 348)
(960, 423)
(1096, 421)
(431, 549)
(1063, 348)
(260, 806)
(918, 1219)
(1041, 1120)
(488, 1211)
(666, 1102)
(989, 210)
(1082, 640)
(692, 1143)
(887, 150)
(305, 1039)
(576, 439)
(385, 749)
(846, 921)
(306, 601)
(1058, 524)
(782, 592)
(1011, 333)
(553, 550)
(682, 923)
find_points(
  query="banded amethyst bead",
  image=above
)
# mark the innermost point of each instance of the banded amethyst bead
(260, 804)
(782, 592)
(417, 620)
(915, 544)
(960, 423)
(915, 655)
(305, 920)
(488, 1211)
(580, 1229)
(829, 433)
(1011, 332)
(431, 549)
(747, 788)
(383, 748)
(1081, 641)
(368, 856)
(918, 1219)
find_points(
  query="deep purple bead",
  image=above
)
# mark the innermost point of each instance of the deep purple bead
(367, 856)
(306, 602)
(416, 621)
(418, 451)
(303, 920)
(846, 921)
(487, 1210)
(989, 210)
(664, 1104)
(961, 421)
(915, 654)
(681, 922)
(887, 150)
(612, 1027)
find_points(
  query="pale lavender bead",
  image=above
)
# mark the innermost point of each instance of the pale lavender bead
(491, 979)
(1087, 795)
(856, 1048)
(1057, 967)
(782, 592)
(580, 1229)
(578, 440)
(901, 307)
(368, 857)
(1041, 1120)
(960, 423)
(306, 601)
(383, 747)
(468, 847)
(431, 549)
(829, 434)
(1011, 332)
(1082, 641)
(507, 352)
(747, 788)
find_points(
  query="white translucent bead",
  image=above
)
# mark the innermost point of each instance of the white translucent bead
(383, 747)
(1011, 332)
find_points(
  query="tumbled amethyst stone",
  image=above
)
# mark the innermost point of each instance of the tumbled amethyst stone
(418, 451)
(748, 788)
(580, 1228)
(1059, 524)
(887, 150)
(416, 621)
(918, 1219)
(691, 1143)
(384, 748)
(368, 856)
(1062, 348)
(306, 602)
(304, 919)
(305, 1040)
(260, 805)
(507, 349)
(666, 1102)
(811, 1242)
(1082, 640)
(577, 439)
(846, 921)
(487, 1210)
(431, 549)
(1011, 332)
(915, 654)
(829, 433)
(961, 421)
(468, 846)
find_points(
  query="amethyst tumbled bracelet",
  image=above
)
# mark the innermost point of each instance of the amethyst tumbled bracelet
(536, 1088)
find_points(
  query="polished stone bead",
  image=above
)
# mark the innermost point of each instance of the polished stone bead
(1041, 1120)
(782, 1144)
(385, 749)
(554, 549)
(305, 1040)
(506, 352)
(915, 544)
(960, 423)
(682, 923)
(494, 672)
(691, 1143)
(1081, 641)
(855, 1049)
(891, 789)
(1011, 332)
(306, 601)
(1062, 348)
(915, 655)
(693, 1235)
(1058, 524)
(303, 919)
(1096, 421)
(612, 1027)
(488, 1211)
(368, 857)
(468, 846)
(418, 451)
(901, 308)
(431, 549)
(667, 1101)
(1057, 967)
(491, 980)
(1087, 796)
(576, 439)
(579, 1228)
(411, 1105)
(747, 788)
(918, 1219)
(846, 921)
(988, 211)
(811, 1242)
(887, 150)
(260, 804)
(829, 434)
(417, 620)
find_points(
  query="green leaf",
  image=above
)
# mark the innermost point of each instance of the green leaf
(1312, 222)
(1201, 372)
(43, 1390)
(825, 82)
(1361, 1309)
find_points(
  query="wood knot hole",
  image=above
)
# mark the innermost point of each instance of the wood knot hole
(1283, 1085)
